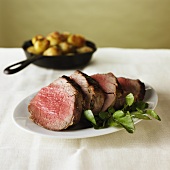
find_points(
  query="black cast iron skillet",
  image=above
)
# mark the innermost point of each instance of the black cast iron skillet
(55, 62)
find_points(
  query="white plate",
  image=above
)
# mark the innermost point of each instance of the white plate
(21, 119)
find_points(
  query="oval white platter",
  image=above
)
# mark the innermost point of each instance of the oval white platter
(21, 119)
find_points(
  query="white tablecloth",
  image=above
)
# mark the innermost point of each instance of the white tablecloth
(148, 148)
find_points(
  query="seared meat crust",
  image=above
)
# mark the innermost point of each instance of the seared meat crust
(94, 94)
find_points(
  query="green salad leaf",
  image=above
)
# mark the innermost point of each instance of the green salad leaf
(123, 117)
(129, 99)
(89, 116)
(153, 114)
(127, 123)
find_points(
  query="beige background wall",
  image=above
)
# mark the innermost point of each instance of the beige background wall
(116, 23)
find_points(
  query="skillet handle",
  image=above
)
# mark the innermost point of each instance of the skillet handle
(14, 68)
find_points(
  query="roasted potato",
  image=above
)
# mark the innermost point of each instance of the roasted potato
(55, 38)
(37, 37)
(52, 51)
(66, 47)
(57, 43)
(32, 50)
(84, 49)
(76, 40)
(41, 45)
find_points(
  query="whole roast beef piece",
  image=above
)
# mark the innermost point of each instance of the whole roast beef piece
(57, 106)
(109, 84)
(126, 86)
(94, 96)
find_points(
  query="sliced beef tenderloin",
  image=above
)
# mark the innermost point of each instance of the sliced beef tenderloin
(126, 86)
(109, 84)
(94, 95)
(57, 106)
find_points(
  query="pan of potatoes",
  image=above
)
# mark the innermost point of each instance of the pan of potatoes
(56, 51)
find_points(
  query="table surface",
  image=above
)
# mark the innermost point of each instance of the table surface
(147, 148)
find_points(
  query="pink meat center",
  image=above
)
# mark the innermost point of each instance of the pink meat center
(52, 105)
